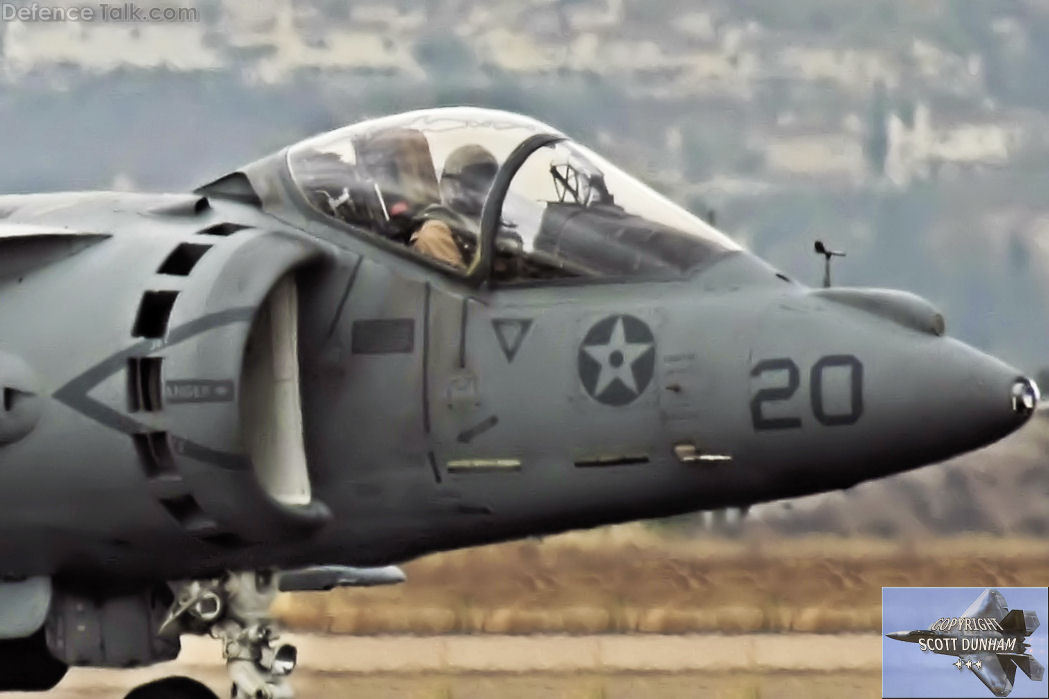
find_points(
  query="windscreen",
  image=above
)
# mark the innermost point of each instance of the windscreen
(422, 180)
(571, 209)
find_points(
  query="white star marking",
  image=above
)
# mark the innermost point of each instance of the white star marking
(616, 359)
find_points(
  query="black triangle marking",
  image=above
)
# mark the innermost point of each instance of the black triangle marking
(511, 333)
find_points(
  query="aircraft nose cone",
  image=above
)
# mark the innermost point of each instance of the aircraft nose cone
(1025, 396)
(881, 396)
(897, 635)
(943, 398)
(1000, 398)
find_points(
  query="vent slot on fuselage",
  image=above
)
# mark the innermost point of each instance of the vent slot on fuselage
(271, 407)
(188, 512)
(183, 259)
(144, 384)
(612, 460)
(158, 464)
(222, 229)
(153, 314)
(155, 454)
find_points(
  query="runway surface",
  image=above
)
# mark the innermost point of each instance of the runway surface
(584, 667)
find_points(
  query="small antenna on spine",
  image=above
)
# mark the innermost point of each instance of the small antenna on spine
(827, 253)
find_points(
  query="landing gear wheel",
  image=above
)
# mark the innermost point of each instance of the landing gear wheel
(28, 665)
(172, 688)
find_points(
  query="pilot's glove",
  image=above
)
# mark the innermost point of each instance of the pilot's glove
(434, 238)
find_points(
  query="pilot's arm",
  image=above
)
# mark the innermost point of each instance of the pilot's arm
(434, 239)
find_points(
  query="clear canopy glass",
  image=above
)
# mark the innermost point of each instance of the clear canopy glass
(567, 211)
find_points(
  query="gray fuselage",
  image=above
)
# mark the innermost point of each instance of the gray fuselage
(435, 414)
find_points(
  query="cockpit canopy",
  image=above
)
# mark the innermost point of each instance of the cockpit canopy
(563, 211)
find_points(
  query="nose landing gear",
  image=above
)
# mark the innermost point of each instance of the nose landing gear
(235, 610)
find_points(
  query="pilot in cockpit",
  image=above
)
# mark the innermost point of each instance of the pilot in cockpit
(467, 176)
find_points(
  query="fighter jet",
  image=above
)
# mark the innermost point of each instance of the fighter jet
(988, 639)
(421, 332)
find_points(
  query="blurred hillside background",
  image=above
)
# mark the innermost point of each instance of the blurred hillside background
(912, 133)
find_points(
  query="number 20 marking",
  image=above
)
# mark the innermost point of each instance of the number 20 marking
(778, 394)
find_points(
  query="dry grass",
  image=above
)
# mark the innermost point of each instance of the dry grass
(629, 579)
